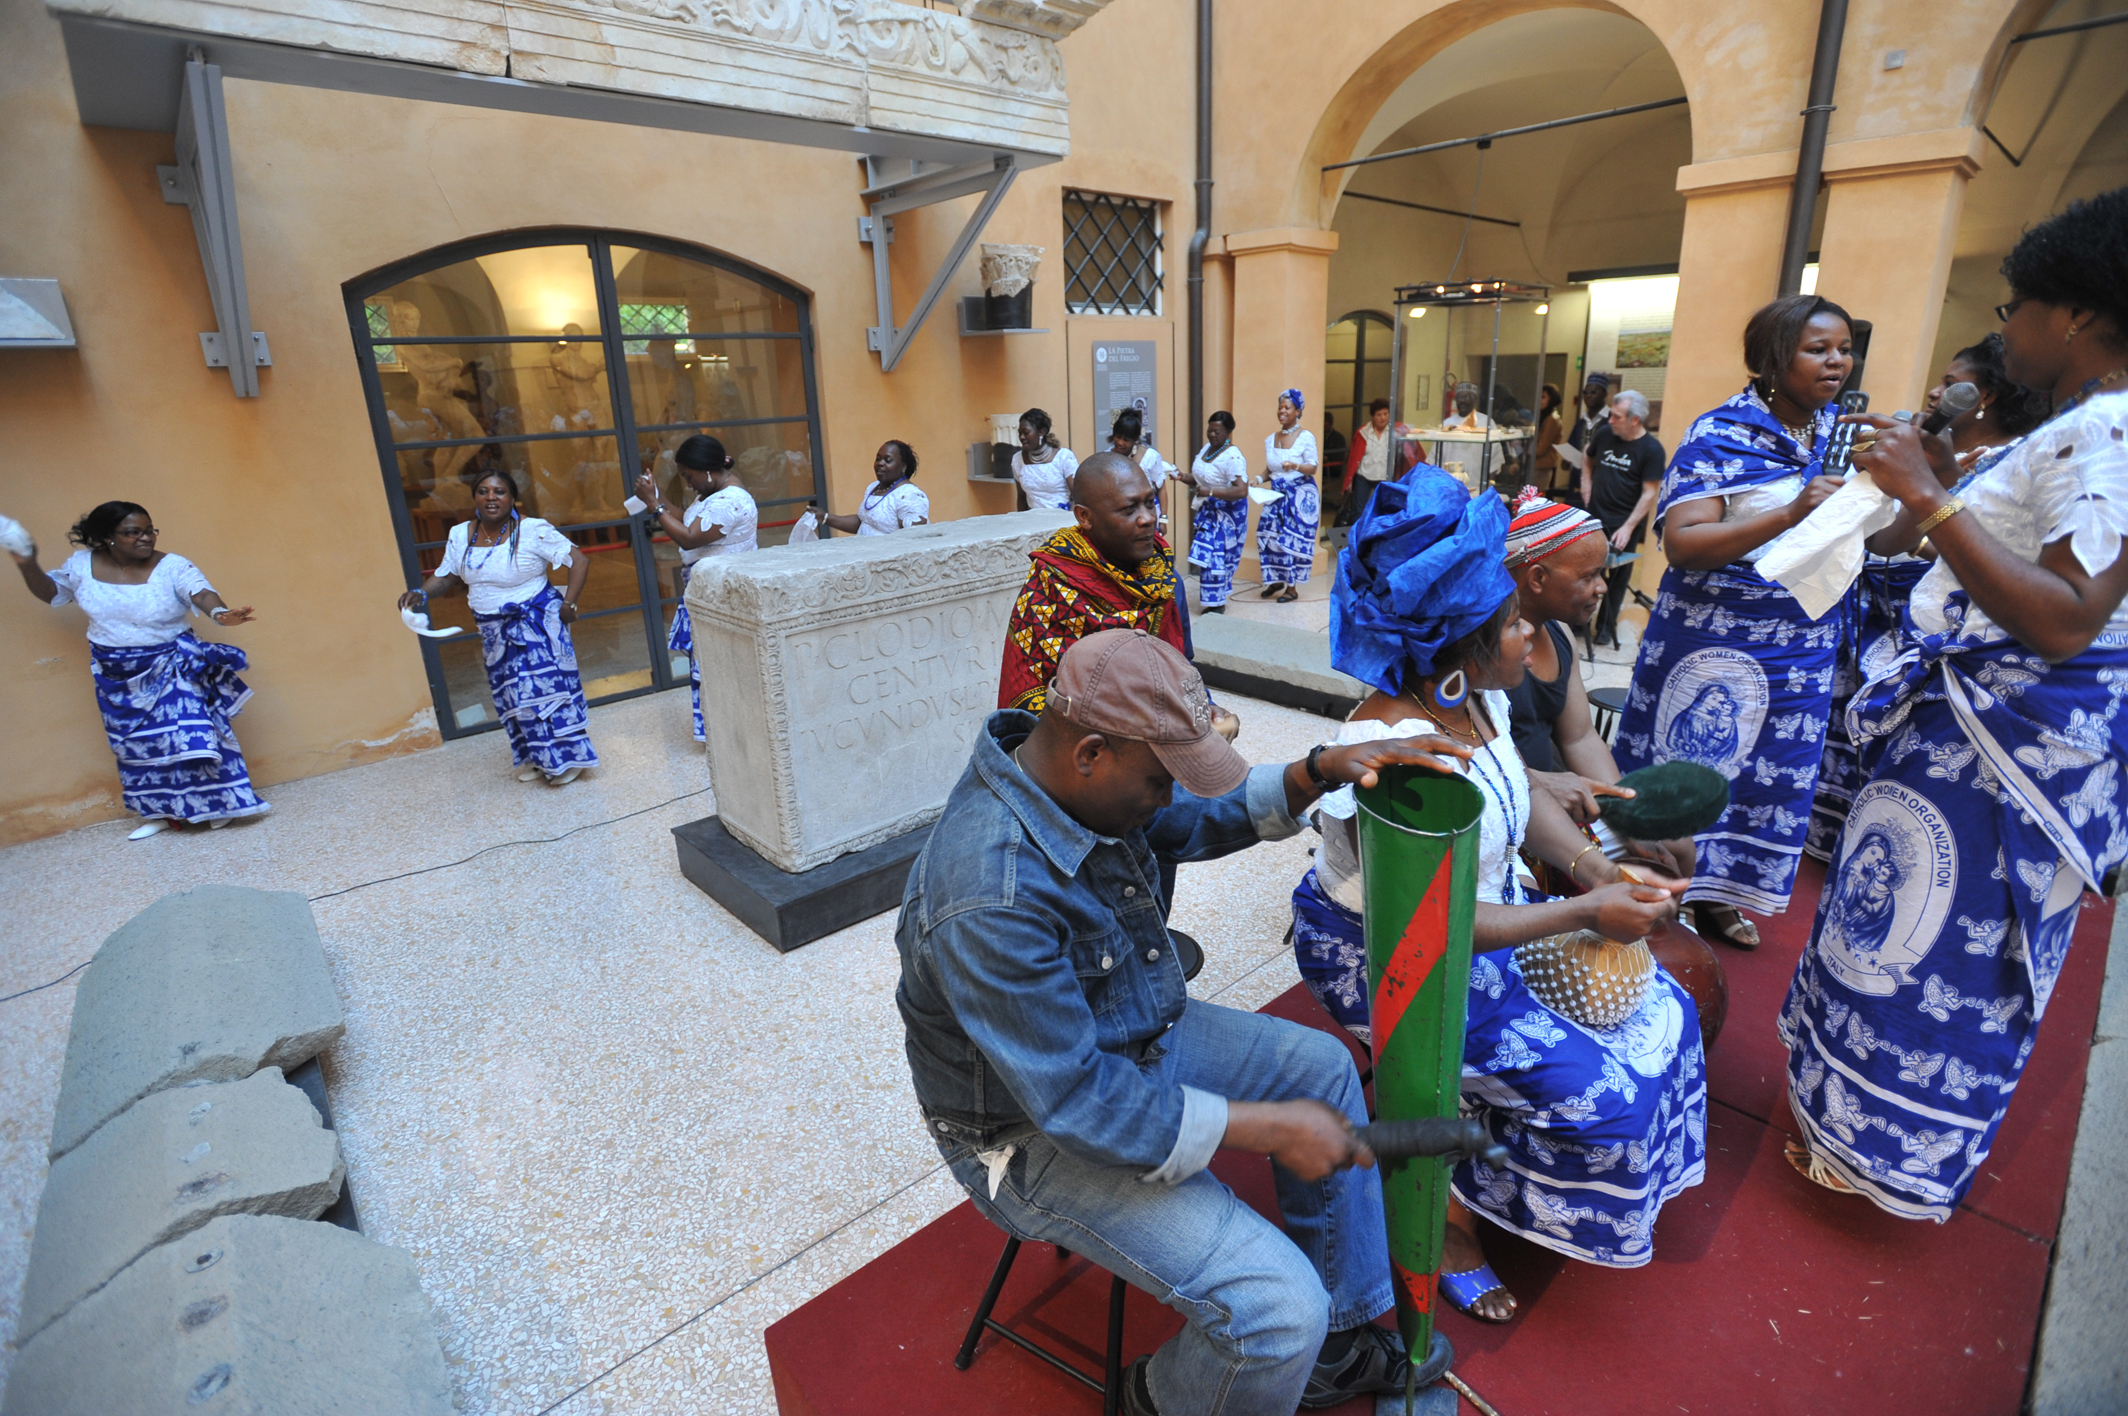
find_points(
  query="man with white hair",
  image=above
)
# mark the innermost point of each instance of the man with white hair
(1619, 484)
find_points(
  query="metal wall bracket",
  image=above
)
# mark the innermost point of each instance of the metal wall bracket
(204, 179)
(886, 194)
(210, 343)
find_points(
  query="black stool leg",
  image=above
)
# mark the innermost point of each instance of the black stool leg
(990, 1297)
(1112, 1388)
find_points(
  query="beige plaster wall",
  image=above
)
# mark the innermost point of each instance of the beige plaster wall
(281, 499)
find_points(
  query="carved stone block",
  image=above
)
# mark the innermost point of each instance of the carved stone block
(843, 681)
(881, 64)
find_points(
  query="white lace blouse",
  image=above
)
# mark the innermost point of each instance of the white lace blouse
(1302, 453)
(2068, 478)
(1502, 782)
(1227, 468)
(493, 576)
(901, 506)
(131, 616)
(1047, 484)
(731, 511)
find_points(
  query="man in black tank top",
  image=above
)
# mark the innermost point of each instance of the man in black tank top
(1556, 555)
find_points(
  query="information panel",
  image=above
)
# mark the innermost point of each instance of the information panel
(1124, 371)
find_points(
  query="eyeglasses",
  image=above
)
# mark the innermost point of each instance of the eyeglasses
(146, 534)
(2003, 312)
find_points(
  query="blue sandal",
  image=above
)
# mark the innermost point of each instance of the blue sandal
(1463, 1290)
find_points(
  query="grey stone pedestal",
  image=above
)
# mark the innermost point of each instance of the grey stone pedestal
(787, 909)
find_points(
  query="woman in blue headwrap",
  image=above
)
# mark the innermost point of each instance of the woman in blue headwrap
(1734, 674)
(1604, 1124)
(1285, 532)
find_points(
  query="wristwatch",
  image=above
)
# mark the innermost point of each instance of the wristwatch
(1315, 773)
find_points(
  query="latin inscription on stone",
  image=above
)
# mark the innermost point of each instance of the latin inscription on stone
(844, 681)
(882, 686)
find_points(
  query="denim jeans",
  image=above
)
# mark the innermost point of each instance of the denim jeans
(1257, 1302)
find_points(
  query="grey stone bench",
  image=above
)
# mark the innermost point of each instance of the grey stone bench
(250, 1315)
(210, 985)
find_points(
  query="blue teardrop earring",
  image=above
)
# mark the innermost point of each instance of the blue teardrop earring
(1445, 697)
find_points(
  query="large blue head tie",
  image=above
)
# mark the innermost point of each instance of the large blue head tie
(1424, 567)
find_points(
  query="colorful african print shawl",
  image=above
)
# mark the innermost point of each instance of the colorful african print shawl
(1072, 592)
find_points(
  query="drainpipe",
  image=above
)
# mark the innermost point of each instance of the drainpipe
(1810, 161)
(1203, 234)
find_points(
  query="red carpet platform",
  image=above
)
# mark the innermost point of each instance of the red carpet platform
(1766, 1295)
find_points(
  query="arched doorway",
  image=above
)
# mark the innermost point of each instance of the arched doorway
(1356, 359)
(575, 361)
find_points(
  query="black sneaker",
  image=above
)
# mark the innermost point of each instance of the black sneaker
(1137, 1394)
(1373, 1361)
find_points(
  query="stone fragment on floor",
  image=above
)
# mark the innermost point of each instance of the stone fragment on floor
(167, 1165)
(249, 1316)
(208, 985)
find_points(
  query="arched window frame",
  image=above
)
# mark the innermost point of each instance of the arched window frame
(599, 241)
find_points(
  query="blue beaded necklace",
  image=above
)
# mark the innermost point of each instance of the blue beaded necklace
(473, 542)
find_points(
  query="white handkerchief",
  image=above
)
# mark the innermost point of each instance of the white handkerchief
(636, 505)
(996, 1161)
(418, 622)
(15, 537)
(1264, 496)
(1818, 559)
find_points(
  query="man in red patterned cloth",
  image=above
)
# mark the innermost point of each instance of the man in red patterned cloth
(1111, 571)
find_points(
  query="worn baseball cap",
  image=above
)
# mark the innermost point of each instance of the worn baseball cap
(1127, 684)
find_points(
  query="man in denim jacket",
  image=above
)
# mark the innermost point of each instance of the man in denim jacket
(1078, 1092)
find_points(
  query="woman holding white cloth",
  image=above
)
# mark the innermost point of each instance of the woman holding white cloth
(723, 520)
(502, 558)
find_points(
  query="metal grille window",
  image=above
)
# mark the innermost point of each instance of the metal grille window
(1111, 255)
(380, 327)
(654, 319)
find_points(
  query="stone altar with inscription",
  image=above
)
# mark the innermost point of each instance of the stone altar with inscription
(843, 681)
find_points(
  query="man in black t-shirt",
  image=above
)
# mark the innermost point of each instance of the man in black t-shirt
(1620, 483)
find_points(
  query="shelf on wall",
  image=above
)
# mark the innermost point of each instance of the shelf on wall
(973, 310)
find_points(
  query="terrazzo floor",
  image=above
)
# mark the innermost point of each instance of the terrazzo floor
(618, 1132)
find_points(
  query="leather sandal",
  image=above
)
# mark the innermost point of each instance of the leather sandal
(1292, 594)
(1269, 590)
(1463, 1290)
(1812, 1168)
(1729, 925)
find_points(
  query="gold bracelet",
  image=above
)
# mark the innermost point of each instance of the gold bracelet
(1577, 859)
(1943, 513)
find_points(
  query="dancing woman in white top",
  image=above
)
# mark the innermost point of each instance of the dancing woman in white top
(1043, 466)
(722, 521)
(1217, 522)
(1285, 532)
(166, 696)
(502, 559)
(893, 503)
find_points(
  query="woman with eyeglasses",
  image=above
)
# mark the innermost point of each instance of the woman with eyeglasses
(1980, 436)
(502, 559)
(1995, 738)
(166, 695)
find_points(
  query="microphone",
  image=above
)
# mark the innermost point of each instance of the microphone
(1958, 398)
